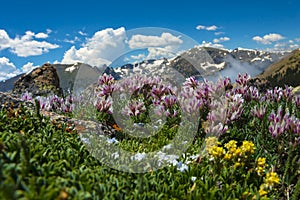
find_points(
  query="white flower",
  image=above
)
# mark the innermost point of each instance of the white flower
(169, 146)
(85, 140)
(139, 156)
(115, 155)
(181, 166)
(193, 178)
(112, 140)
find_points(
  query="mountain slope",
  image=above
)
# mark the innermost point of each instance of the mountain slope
(8, 85)
(284, 72)
(75, 77)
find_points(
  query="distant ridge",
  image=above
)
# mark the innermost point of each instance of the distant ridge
(8, 85)
(284, 72)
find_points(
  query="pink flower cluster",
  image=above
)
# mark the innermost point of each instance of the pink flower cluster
(219, 104)
(282, 122)
(277, 94)
(52, 102)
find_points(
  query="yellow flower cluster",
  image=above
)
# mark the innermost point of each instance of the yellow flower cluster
(261, 165)
(247, 147)
(271, 179)
(233, 151)
(269, 182)
(211, 142)
(216, 151)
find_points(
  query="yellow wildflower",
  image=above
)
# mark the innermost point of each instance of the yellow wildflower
(211, 142)
(247, 147)
(238, 164)
(231, 145)
(216, 151)
(231, 148)
(271, 179)
(228, 156)
(261, 165)
(237, 152)
(263, 190)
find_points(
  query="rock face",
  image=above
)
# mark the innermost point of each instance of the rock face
(41, 81)
(8, 100)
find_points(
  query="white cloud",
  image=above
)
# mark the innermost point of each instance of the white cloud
(160, 52)
(209, 44)
(221, 39)
(145, 41)
(108, 44)
(219, 33)
(28, 67)
(269, 38)
(82, 33)
(41, 35)
(138, 57)
(48, 31)
(6, 66)
(207, 28)
(297, 39)
(4, 40)
(284, 46)
(105, 46)
(76, 39)
(25, 45)
(7, 69)
(293, 46)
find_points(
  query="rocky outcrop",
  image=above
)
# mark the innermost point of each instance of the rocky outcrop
(8, 100)
(41, 81)
(11, 102)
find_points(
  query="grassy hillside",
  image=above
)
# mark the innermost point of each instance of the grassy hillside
(284, 72)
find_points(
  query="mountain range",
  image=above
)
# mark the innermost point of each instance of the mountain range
(201, 62)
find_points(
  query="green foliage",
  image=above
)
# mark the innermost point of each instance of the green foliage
(39, 160)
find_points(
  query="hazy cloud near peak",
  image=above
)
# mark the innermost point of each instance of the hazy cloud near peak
(26, 45)
(28, 67)
(138, 57)
(6, 66)
(9, 70)
(285, 46)
(209, 44)
(268, 38)
(221, 39)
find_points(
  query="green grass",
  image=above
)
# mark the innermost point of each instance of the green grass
(41, 160)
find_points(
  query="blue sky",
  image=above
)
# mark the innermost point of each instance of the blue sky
(97, 32)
